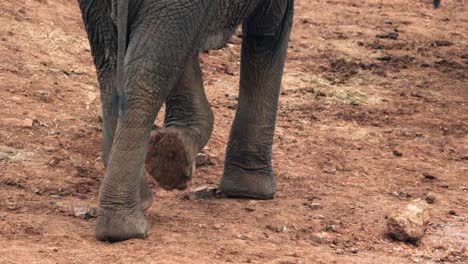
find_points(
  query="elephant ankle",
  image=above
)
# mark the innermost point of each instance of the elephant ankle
(114, 226)
(238, 182)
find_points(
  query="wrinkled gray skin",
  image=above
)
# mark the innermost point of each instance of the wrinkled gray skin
(161, 66)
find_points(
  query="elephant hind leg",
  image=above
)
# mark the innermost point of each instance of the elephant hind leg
(188, 126)
(248, 171)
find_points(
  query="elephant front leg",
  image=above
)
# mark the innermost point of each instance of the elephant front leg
(248, 171)
(103, 39)
(188, 126)
(154, 63)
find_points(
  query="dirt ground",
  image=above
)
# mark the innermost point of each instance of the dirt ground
(374, 102)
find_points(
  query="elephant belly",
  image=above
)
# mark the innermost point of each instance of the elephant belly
(229, 14)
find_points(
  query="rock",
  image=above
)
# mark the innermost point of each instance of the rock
(23, 123)
(397, 153)
(277, 229)
(444, 184)
(330, 228)
(442, 43)
(429, 176)
(452, 212)
(202, 159)
(387, 35)
(339, 251)
(203, 192)
(84, 212)
(242, 236)
(315, 206)
(99, 112)
(410, 223)
(353, 250)
(322, 238)
(430, 198)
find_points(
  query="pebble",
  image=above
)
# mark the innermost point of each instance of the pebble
(410, 223)
(388, 35)
(430, 198)
(84, 212)
(330, 228)
(322, 238)
(339, 251)
(429, 176)
(444, 184)
(202, 192)
(397, 153)
(202, 160)
(452, 212)
(315, 206)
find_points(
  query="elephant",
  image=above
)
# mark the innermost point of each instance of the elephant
(146, 55)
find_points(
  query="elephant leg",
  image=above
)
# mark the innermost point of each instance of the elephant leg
(157, 52)
(248, 171)
(102, 37)
(188, 126)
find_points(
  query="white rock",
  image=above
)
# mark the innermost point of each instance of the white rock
(410, 223)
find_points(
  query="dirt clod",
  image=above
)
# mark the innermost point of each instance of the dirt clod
(409, 224)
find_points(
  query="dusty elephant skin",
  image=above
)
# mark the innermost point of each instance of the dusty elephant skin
(160, 64)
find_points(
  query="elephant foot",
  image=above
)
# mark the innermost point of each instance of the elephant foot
(146, 194)
(119, 226)
(171, 157)
(251, 184)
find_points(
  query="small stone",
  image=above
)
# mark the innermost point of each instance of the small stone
(322, 238)
(410, 223)
(452, 212)
(388, 22)
(330, 228)
(203, 192)
(397, 153)
(444, 184)
(430, 198)
(339, 251)
(202, 160)
(242, 236)
(218, 226)
(353, 250)
(387, 35)
(84, 212)
(54, 161)
(99, 112)
(315, 206)
(429, 176)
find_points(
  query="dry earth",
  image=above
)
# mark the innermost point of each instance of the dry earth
(364, 115)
